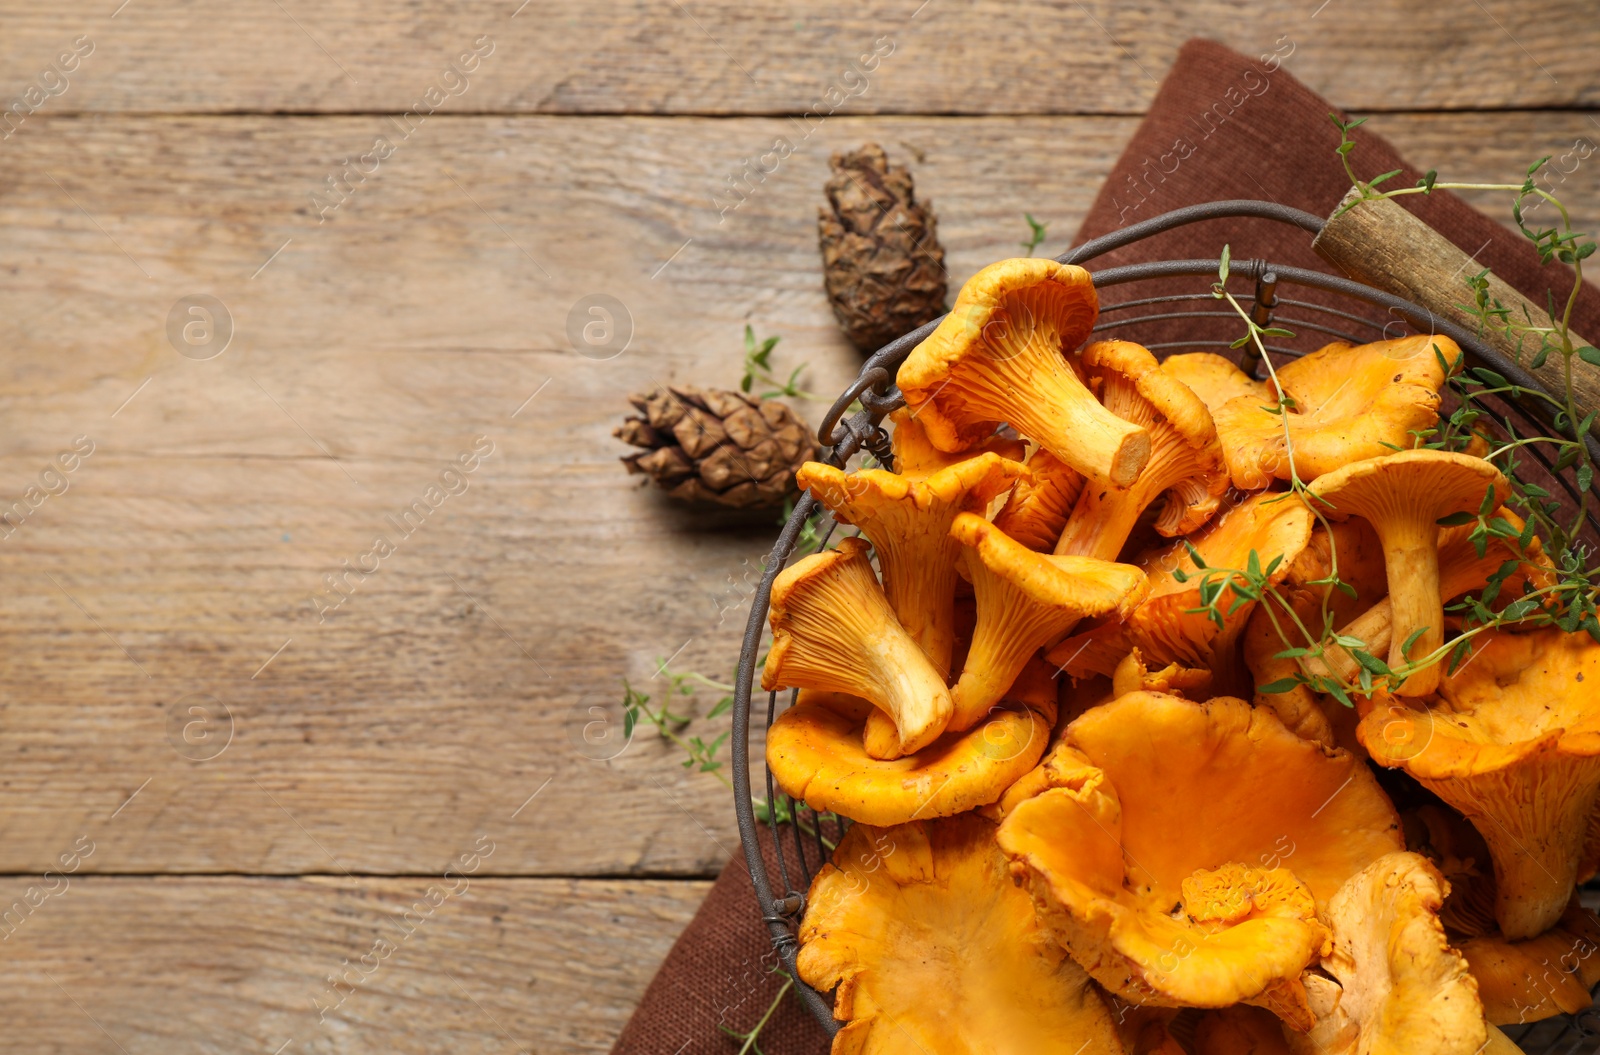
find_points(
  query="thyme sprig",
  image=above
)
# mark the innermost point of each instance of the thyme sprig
(749, 1046)
(758, 369)
(1036, 234)
(1566, 599)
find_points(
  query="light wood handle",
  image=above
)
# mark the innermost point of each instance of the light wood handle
(1381, 244)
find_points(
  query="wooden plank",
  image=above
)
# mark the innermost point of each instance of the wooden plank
(170, 966)
(726, 57)
(425, 311)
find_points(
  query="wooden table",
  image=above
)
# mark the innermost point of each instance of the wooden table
(217, 789)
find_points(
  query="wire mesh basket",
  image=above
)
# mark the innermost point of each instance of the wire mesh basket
(1316, 307)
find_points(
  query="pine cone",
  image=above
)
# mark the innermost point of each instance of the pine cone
(881, 257)
(713, 445)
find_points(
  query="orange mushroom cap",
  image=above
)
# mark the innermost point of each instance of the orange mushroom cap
(1185, 461)
(1514, 744)
(1165, 626)
(1025, 601)
(1214, 379)
(816, 755)
(1185, 847)
(833, 630)
(915, 455)
(1403, 496)
(933, 949)
(1349, 403)
(1039, 503)
(1001, 356)
(908, 520)
(1404, 988)
(1540, 977)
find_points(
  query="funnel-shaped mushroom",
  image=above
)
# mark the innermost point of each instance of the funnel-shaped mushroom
(1214, 379)
(833, 630)
(1001, 356)
(1514, 744)
(934, 949)
(1026, 600)
(1547, 975)
(915, 456)
(1185, 848)
(1405, 989)
(1403, 496)
(908, 520)
(1165, 627)
(1461, 571)
(816, 755)
(1349, 403)
(1185, 459)
(1039, 503)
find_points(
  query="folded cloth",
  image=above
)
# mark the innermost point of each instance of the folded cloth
(1225, 126)
(1221, 126)
(721, 974)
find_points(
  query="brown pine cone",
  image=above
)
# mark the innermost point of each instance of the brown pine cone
(881, 258)
(713, 445)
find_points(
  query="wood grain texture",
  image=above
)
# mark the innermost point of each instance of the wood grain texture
(726, 57)
(1381, 244)
(426, 310)
(234, 964)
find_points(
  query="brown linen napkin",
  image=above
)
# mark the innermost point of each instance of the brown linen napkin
(1221, 126)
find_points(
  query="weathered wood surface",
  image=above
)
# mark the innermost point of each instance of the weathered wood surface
(458, 679)
(229, 964)
(727, 57)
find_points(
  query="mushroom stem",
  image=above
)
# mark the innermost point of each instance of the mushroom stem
(1101, 522)
(833, 631)
(1037, 391)
(1411, 561)
(924, 591)
(1534, 824)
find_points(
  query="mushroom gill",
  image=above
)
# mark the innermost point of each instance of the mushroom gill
(1001, 355)
(833, 630)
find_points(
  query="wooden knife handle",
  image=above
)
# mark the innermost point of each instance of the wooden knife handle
(1381, 244)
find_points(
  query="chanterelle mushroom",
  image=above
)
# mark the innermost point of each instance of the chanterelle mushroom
(915, 455)
(1185, 848)
(833, 629)
(1461, 570)
(1166, 626)
(1025, 601)
(1185, 461)
(1038, 506)
(1405, 989)
(816, 754)
(1514, 744)
(933, 949)
(1403, 496)
(1349, 403)
(908, 520)
(1214, 379)
(1540, 977)
(1001, 356)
